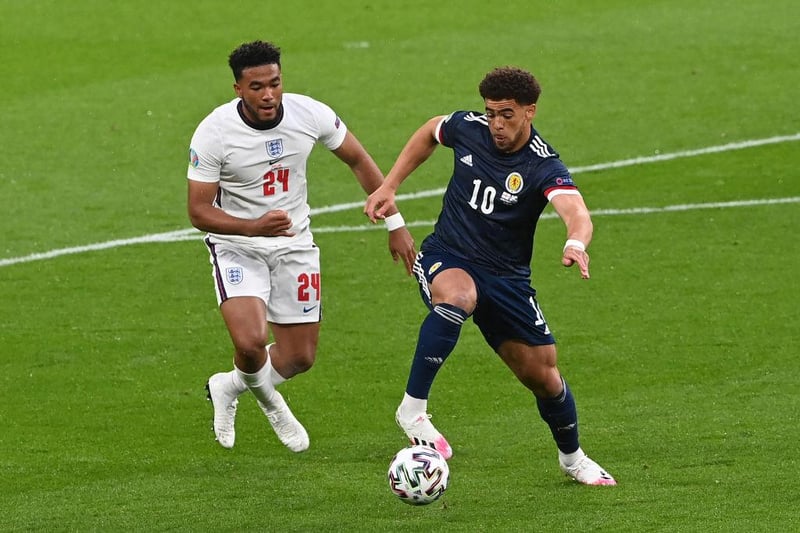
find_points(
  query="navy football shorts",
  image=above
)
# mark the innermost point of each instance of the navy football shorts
(507, 308)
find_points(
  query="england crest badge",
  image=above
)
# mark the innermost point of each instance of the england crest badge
(234, 275)
(275, 147)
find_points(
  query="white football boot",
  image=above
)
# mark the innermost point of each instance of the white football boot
(288, 429)
(586, 471)
(420, 431)
(224, 403)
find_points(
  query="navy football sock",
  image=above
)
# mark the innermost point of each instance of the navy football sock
(437, 338)
(562, 417)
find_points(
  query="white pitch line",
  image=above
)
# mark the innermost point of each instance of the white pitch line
(191, 233)
(596, 213)
(740, 145)
(643, 160)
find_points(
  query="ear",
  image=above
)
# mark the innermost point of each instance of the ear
(530, 112)
(237, 89)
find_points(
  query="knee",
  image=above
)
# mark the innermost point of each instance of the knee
(292, 358)
(544, 382)
(250, 348)
(301, 360)
(463, 300)
(541, 378)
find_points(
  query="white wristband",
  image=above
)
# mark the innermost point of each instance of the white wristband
(394, 222)
(575, 243)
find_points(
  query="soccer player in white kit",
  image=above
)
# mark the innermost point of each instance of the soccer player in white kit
(247, 188)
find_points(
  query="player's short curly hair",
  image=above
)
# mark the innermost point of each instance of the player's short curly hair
(253, 54)
(510, 83)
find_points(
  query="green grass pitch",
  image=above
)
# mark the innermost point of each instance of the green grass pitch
(681, 349)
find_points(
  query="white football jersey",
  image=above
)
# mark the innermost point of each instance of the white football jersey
(259, 170)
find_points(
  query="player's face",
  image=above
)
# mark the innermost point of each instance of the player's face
(261, 91)
(509, 123)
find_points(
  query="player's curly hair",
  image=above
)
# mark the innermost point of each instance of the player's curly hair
(510, 83)
(253, 54)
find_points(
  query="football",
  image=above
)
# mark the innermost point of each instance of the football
(418, 475)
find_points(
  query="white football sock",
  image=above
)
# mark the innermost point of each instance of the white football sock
(276, 378)
(412, 407)
(237, 385)
(569, 459)
(259, 383)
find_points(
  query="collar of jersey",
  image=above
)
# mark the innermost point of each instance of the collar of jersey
(260, 125)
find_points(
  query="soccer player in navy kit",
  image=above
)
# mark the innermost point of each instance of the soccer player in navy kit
(477, 260)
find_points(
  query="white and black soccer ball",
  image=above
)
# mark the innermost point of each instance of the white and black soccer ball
(418, 475)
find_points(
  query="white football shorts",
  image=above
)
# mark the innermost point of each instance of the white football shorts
(286, 278)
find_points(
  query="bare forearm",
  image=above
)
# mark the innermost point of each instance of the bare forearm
(580, 228)
(576, 217)
(214, 220)
(417, 150)
(368, 174)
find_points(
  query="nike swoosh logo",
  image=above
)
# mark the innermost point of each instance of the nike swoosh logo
(273, 161)
(309, 309)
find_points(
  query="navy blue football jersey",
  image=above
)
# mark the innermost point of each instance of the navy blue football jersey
(494, 199)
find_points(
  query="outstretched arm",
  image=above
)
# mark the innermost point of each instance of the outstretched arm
(573, 211)
(369, 176)
(417, 150)
(364, 168)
